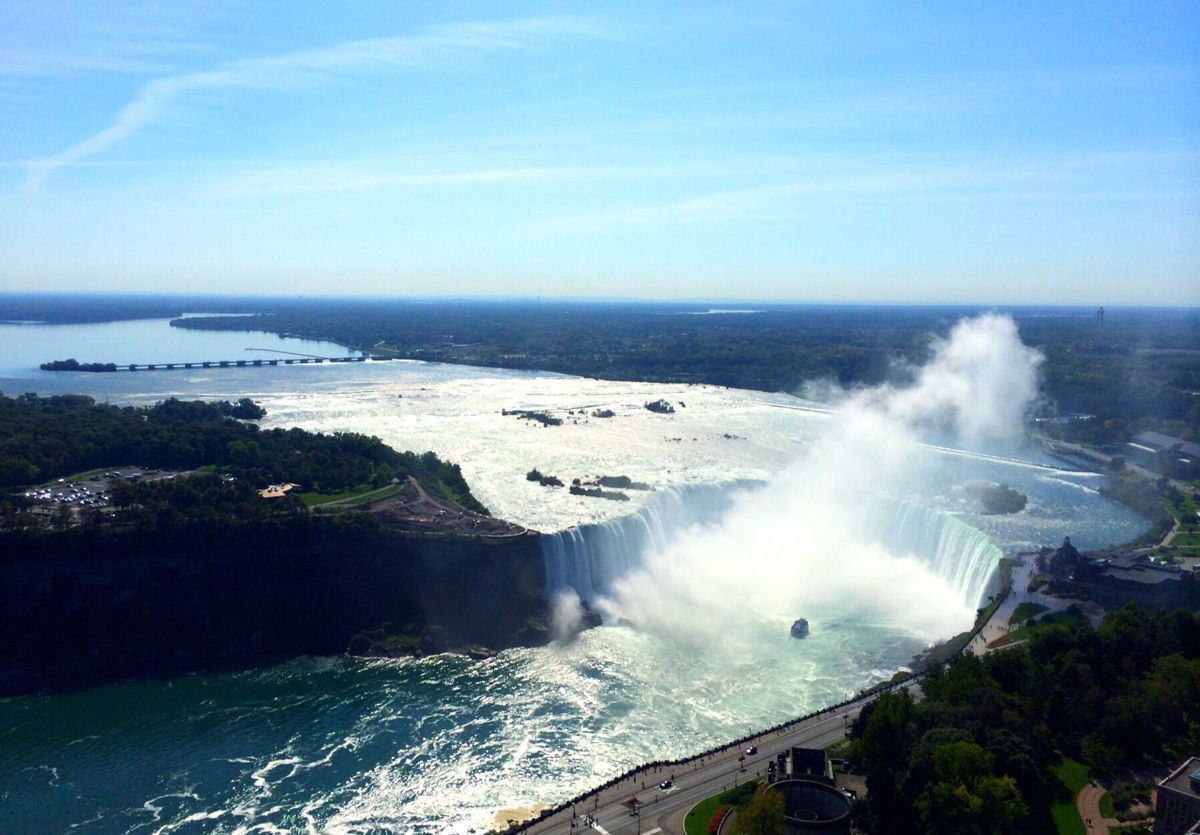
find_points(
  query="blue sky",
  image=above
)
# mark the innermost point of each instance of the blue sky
(956, 152)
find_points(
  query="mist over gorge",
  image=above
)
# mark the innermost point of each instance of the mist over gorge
(533, 418)
(764, 508)
(827, 536)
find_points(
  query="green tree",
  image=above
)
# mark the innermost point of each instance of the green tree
(763, 815)
(966, 797)
(887, 743)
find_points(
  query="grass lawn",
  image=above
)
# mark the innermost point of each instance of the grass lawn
(944, 652)
(697, 820)
(1073, 776)
(87, 474)
(1189, 529)
(313, 499)
(1068, 617)
(1025, 611)
(1106, 806)
(1189, 540)
(375, 495)
(838, 749)
(358, 495)
(67, 479)
(1185, 508)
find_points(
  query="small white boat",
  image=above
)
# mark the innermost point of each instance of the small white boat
(800, 628)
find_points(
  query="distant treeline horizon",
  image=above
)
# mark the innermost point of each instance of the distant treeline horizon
(62, 307)
(1131, 368)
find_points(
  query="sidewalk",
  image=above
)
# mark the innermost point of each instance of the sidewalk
(997, 625)
(1087, 802)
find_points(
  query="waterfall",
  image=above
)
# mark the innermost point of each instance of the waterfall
(589, 558)
(961, 555)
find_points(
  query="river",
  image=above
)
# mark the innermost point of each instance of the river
(443, 744)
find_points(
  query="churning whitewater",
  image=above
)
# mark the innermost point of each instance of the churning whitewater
(765, 508)
(842, 529)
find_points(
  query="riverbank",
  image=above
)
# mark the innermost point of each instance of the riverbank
(698, 776)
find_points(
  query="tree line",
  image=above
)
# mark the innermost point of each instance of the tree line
(1137, 367)
(42, 438)
(973, 755)
(48, 437)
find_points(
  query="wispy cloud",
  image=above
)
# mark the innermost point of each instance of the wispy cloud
(48, 39)
(800, 189)
(367, 175)
(294, 71)
(769, 202)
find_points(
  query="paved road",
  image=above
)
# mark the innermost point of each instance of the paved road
(1105, 460)
(664, 811)
(1101, 459)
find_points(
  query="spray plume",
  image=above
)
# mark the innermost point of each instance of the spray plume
(801, 545)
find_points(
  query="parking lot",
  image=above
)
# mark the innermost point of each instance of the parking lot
(92, 489)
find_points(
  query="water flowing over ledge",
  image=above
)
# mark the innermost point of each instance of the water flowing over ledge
(590, 558)
(963, 556)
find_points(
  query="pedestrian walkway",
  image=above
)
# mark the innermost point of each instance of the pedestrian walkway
(1087, 802)
(998, 624)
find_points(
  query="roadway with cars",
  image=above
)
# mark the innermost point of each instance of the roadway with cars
(663, 811)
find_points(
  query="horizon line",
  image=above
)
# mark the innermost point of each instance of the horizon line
(547, 299)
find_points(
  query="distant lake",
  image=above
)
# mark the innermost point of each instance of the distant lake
(23, 347)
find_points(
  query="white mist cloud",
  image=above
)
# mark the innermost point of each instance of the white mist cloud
(979, 384)
(798, 547)
(566, 615)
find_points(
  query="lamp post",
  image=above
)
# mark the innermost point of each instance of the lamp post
(635, 809)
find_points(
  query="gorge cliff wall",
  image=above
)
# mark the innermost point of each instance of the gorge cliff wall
(73, 621)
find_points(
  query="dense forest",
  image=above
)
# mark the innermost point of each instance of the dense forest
(44, 438)
(977, 754)
(1131, 366)
(75, 365)
(201, 511)
(47, 437)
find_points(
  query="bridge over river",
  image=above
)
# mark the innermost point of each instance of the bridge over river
(290, 359)
(171, 366)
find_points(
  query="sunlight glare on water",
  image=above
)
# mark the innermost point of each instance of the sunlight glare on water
(440, 744)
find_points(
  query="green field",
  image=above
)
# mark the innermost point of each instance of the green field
(1106, 806)
(359, 495)
(1069, 617)
(1072, 776)
(1025, 611)
(1187, 540)
(696, 822)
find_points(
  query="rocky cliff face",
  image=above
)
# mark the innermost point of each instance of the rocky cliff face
(74, 621)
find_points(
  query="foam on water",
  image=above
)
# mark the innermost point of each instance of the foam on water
(440, 744)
